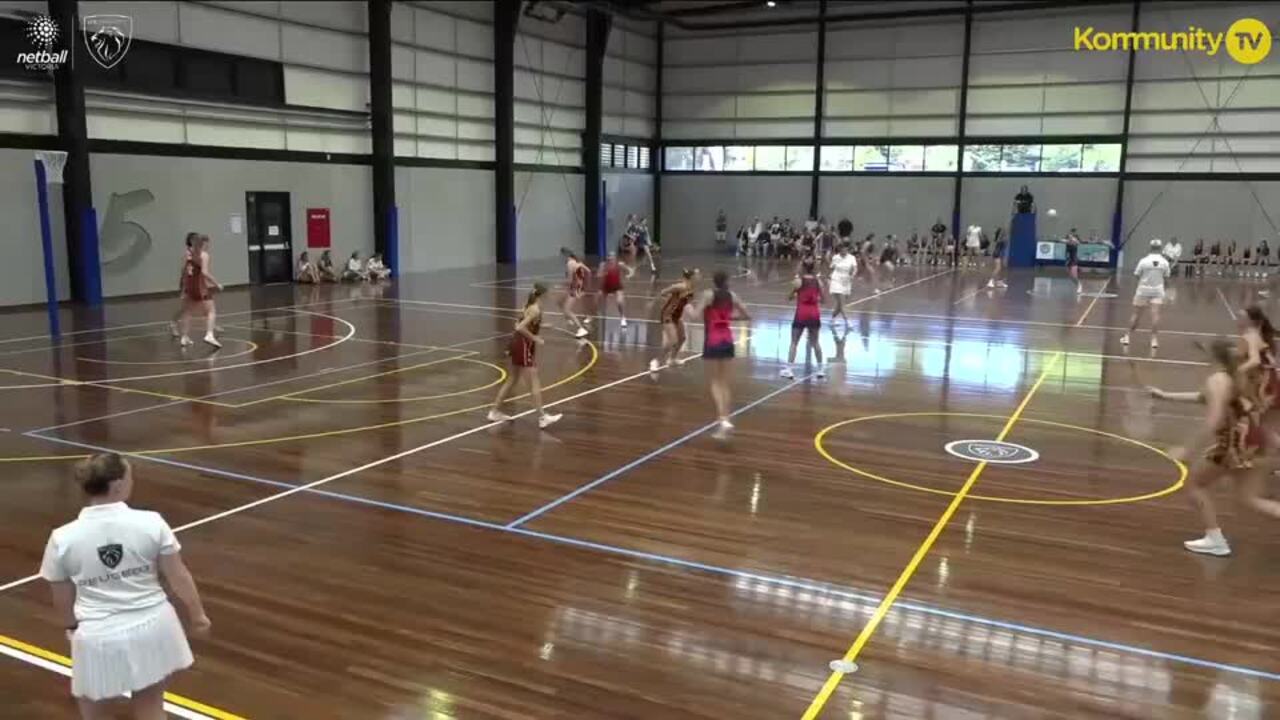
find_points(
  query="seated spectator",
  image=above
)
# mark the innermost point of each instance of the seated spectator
(355, 271)
(306, 272)
(325, 267)
(375, 269)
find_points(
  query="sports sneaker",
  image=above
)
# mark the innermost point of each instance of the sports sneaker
(991, 284)
(723, 428)
(498, 416)
(1209, 546)
(623, 324)
(1124, 339)
(173, 330)
(581, 333)
(1155, 343)
(546, 420)
(654, 365)
(822, 373)
(786, 373)
(185, 341)
(209, 338)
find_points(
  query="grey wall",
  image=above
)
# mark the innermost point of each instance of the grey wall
(446, 218)
(887, 204)
(549, 214)
(626, 194)
(1220, 209)
(200, 194)
(690, 202)
(22, 273)
(1086, 204)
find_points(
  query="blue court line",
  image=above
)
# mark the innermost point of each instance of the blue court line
(793, 582)
(646, 458)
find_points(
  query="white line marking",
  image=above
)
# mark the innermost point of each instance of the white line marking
(967, 296)
(1230, 311)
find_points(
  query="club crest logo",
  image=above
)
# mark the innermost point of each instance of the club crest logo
(992, 451)
(107, 37)
(111, 555)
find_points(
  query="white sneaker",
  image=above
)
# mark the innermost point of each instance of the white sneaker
(548, 419)
(209, 338)
(185, 341)
(498, 416)
(1124, 339)
(723, 428)
(786, 373)
(582, 332)
(173, 330)
(822, 373)
(623, 324)
(654, 365)
(1209, 546)
(1155, 343)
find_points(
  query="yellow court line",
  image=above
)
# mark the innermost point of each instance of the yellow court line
(595, 358)
(322, 336)
(65, 661)
(62, 382)
(882, 610)
(819, 442)
(253, 347)
(1096, 297)
(502, 377)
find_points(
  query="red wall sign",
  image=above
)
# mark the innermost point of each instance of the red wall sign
(317, 227)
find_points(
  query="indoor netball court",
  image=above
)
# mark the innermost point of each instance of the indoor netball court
(972, 507)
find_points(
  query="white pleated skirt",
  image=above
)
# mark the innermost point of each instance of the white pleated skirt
(128, 651)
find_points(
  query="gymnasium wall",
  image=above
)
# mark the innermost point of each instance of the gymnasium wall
(22, 273)
(630, 79)
(549, 214)
(1190, 209)
(626, 194)
(690, 203)
(168, 197)
(446, 218)
(886, 204)
(1086, 204)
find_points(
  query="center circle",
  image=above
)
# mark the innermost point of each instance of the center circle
(819, 441)
(992, 451)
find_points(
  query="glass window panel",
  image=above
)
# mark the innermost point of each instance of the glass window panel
(980, 158)
(678, 158)
(644, 158)
(870, 158)
(1101, 158)
(836, 158)
(905, 158)
(771, 157)
(1020, 158)
(606, 155)
(739, 158)
(799, 158)
(633, 156)
(619, 155)
(709, 159)
(1060, 158)
(941, 157)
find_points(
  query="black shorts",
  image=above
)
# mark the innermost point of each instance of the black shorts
(1073, 256)
(810, 325)
(997, 250)
(718, 352)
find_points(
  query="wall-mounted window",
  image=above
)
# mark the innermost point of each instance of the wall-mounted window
(941, 158)
(944, 158)
(633, 157)
(644, 158)
(739, 158)
(836, 158)
(619, 155)
(799, 158)
(678, 158)
(1046, 158)
(982, 158)
(771, 158)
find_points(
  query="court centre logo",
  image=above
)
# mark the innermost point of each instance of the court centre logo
(107, 38)
(43, 34)
(1247, 41)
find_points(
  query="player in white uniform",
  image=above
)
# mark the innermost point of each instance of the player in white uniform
(844, 266)
(1152, 272)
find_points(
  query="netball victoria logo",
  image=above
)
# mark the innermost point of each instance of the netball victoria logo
(43, 34)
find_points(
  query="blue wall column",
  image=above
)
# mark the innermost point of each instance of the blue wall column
(598, 24)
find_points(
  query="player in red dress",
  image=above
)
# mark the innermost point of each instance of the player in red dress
(674, 299)
(523, 350)
(808, 294)
(197, 283)
(610, 275)
(576, 276)
(718, 308)
(191, 240)
(1238, 445)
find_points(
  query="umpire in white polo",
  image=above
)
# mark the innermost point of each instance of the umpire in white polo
(104, 569)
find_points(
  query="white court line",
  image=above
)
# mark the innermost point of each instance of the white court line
(351, 331)
(166, 322)
(66, 672)
(518, 278)
(1096, 297)
(1230, 311)
(923, 342)
(369, 465)
(969, 295)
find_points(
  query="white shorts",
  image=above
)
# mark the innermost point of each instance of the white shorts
(839, 288)
(128, 651)
(1143, 300)
(719, 236)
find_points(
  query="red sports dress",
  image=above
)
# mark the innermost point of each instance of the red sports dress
(612, 282)
(808, 304)
(718, 341)
(523, 350)
(194, 285)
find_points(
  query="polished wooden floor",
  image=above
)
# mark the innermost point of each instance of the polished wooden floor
(625, 564)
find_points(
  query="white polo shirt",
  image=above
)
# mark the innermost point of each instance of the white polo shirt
(110, 552)
(1152, 271)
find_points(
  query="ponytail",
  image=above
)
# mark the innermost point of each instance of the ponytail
(538, 291)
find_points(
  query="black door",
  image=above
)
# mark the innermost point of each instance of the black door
(270, 234)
